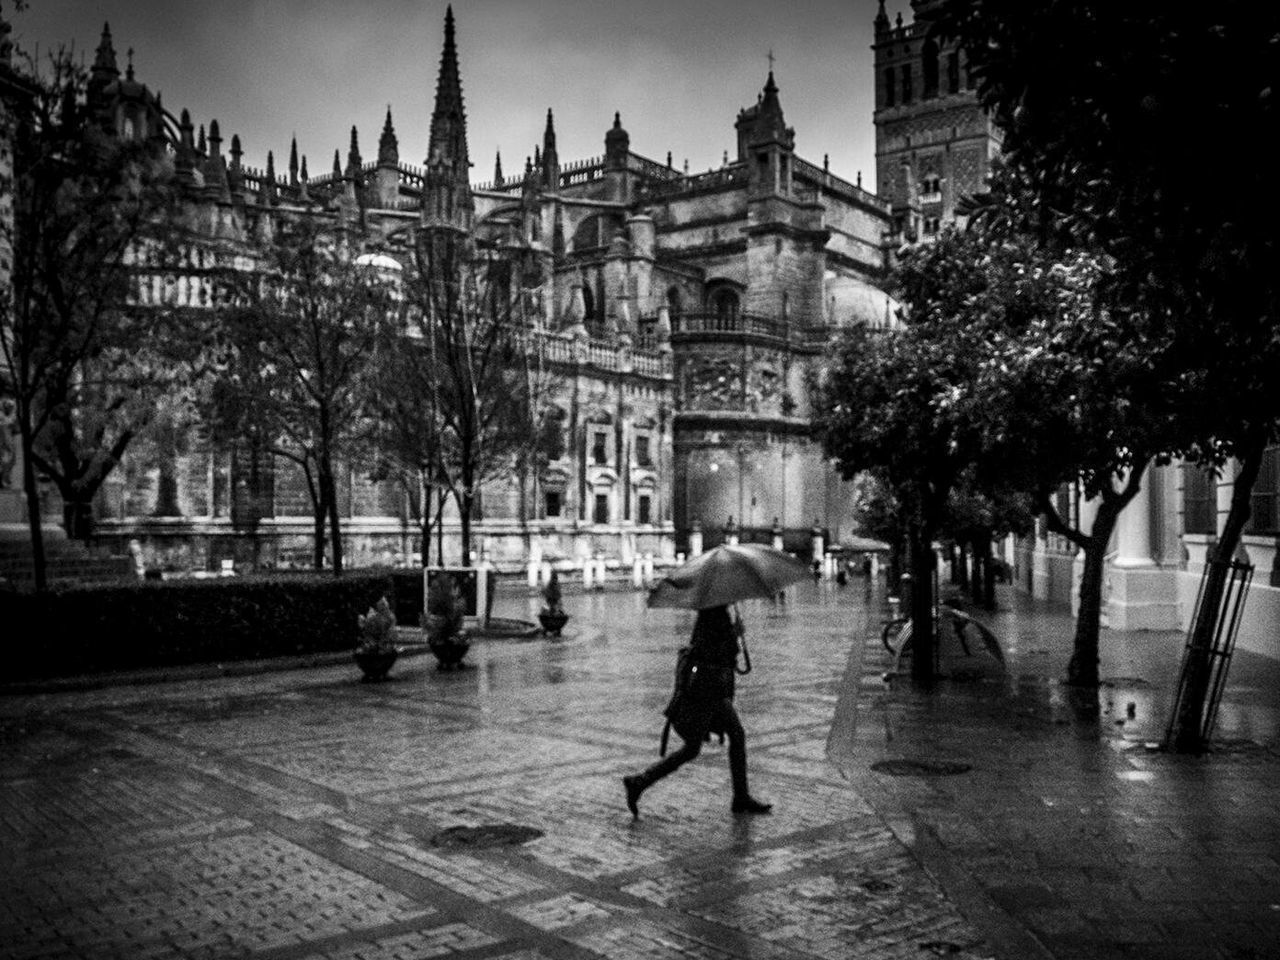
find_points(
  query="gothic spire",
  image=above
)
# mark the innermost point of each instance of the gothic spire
(105, 61)
(353, 156)
(497, 169)
(449, 121)
(388, 145)
(550, 158)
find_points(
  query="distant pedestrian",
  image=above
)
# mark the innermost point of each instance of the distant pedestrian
(702, 705)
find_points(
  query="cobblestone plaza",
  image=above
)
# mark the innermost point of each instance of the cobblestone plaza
(479, 814)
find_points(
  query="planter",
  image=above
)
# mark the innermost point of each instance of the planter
(553, 621)
(449, 653)
(375, 664)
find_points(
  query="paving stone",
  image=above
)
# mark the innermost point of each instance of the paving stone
(293, 815)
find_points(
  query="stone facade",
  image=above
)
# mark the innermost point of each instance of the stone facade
(679, 312)
(934, 143)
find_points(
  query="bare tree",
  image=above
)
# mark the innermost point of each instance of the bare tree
(87, 363)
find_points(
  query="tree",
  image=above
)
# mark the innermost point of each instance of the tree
(88, 364)
(894, 402)
(1095, 101)
(300, 355)
(484, 383)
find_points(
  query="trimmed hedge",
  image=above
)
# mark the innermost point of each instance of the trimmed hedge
(88, 629)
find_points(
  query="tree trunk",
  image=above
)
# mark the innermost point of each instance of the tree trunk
(979, 549)
(318, 513)
(1082, 671)
(961, 576)
(329, 486)
(1189, 722)
(988, 577)
(466, 502)
(923, 640)
(32, 490)
(77, 518)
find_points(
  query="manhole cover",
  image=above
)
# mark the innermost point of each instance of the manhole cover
(485, 835)
(920, 768)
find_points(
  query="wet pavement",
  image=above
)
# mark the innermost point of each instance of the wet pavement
(479, 814)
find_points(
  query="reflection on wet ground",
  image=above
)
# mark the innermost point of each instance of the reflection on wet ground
(480, 813)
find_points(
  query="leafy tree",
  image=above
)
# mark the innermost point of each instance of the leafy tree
(894, 402)
(88, 363)
(1096, 101)
(300, 356)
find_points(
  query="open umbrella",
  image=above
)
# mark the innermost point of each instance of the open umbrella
(727, 574)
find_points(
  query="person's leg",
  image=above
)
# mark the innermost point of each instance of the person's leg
(638, 783)
(743, 802)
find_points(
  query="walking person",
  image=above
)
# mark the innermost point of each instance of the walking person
(703, 705)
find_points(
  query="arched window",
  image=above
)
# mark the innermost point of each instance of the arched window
(906, 83)
(953, 72)
(588, 302)
(890, 87)
(724, 304)
(929, 55)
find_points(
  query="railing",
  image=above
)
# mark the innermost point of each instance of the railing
(739, 323)
(651, 168)
(731, 176)
(805, 170)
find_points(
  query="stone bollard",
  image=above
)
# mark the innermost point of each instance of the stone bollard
(648, 568)
(680, 559)
(533, 573)
(600, 573)
(546, 572)
(637, 572)
(588, 572)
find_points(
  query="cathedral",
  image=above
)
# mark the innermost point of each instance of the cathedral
(681, 314)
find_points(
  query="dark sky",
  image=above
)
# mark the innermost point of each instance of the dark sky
(678, 70)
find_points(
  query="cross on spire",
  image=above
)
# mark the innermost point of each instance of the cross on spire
(771, 58)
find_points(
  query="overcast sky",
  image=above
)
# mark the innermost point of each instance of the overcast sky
(678, 70)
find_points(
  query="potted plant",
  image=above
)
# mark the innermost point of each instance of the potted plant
(376, 651)
(552, 616)
(442, 623)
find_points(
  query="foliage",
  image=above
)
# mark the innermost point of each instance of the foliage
(444, 614)
(1095, 101)
(88, 364)
(470, 397)
(377, 628)
(190, 621)
(299, 360)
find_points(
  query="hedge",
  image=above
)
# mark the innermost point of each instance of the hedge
(88, 629)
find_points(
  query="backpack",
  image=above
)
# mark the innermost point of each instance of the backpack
(681, 692)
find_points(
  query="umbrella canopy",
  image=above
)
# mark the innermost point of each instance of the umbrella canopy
(727, 574)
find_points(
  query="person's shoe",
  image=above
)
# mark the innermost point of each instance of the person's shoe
(750, 805)
(634, 787)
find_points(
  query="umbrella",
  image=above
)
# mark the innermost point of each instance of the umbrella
(727, 574)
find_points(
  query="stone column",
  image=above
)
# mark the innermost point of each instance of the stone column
(1137, 593)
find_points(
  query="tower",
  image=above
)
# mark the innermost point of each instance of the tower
(934, 142)
(447, 203)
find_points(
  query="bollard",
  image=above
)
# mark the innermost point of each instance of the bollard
(588, 570)
(648, 567)
(533, 574)
(600, 573)
(637, 572)
(680, 559)
(546, 572)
